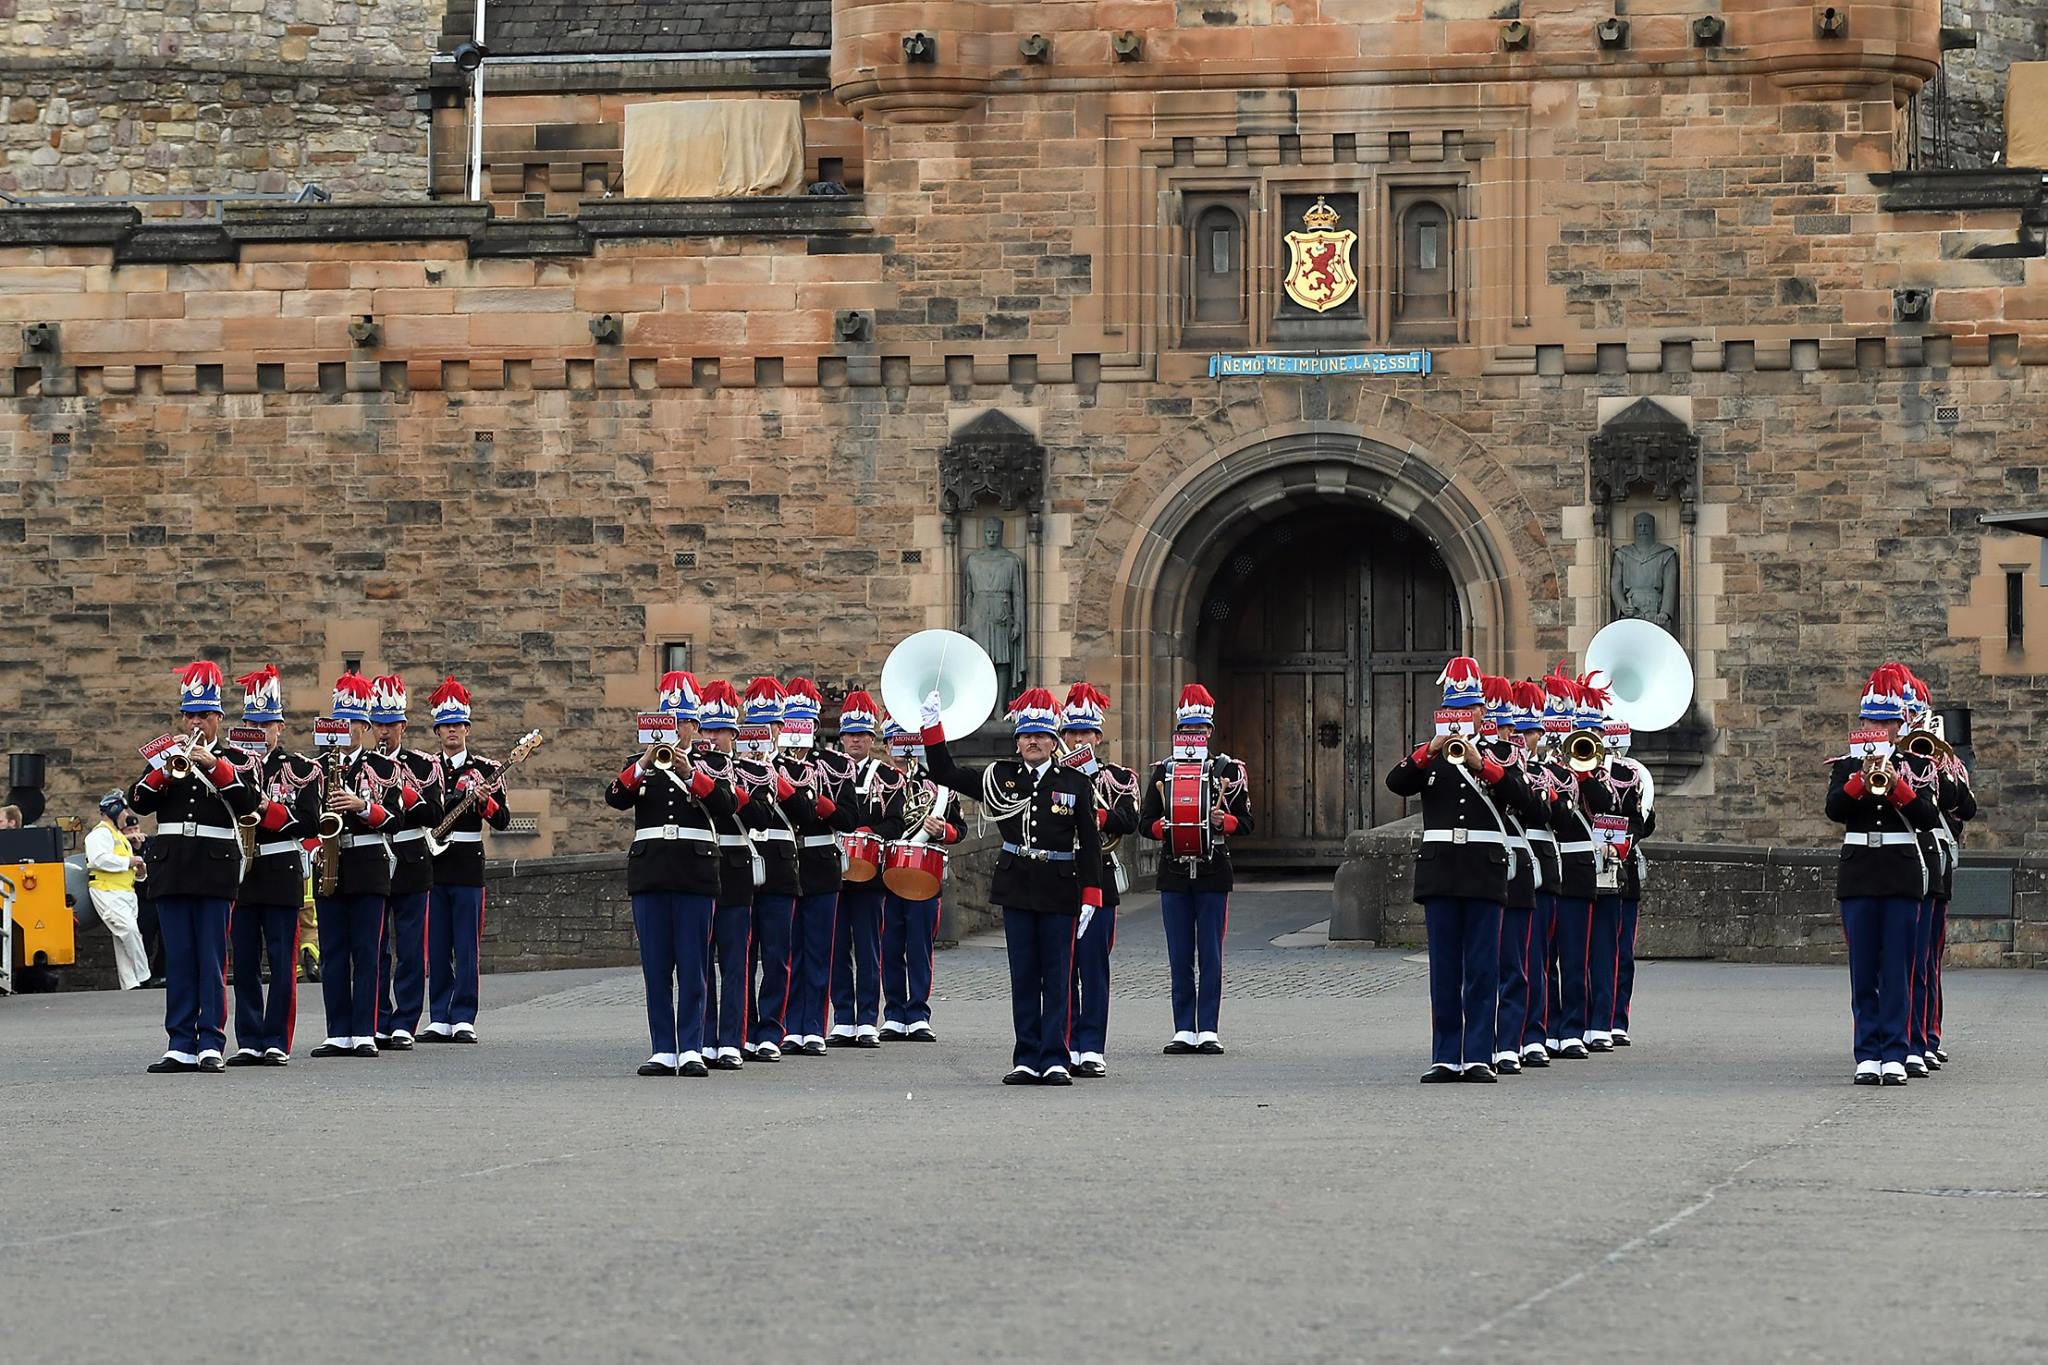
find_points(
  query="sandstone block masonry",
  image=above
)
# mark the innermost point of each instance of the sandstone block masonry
(189, 96)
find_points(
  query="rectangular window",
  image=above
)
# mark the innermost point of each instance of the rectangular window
(675, 657)
(1427, 246)
(1219, 251)
(2015, 609)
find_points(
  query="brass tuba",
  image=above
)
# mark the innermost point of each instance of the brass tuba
(330, 824)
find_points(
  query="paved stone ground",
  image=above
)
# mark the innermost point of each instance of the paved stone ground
(1719, 1192)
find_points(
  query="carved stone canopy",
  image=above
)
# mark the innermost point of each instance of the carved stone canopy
(1644, 447)
(991, 457)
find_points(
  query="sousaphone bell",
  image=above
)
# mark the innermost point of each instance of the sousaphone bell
(946, 662)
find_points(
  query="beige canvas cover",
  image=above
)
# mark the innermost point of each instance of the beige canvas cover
(2026, 115)
(713, 149)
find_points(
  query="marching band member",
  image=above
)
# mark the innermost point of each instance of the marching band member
(1524, 874)
(265, 922)
(805, 981)
(810, 933)
(194, 870)
(742, 874)
(1048, 876)
(402, 966)
(1882, 879)
(1580, 849)
(1194, 892)
(1636, 795)
(455, 905)
(672, 877)
(1461, 878)
(910, 929)
(857, 929)
(370, 793)
(1604, 795)
(1941, 774)
(1548, 784)
(1116, 811)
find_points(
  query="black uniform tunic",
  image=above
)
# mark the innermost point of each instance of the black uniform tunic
(1058, 817)
(675, 834)
(292, 784)
(1881, 853)
(181, 860)
(415, 871)
(1476, 869)
(1227, 780)
(462, 862)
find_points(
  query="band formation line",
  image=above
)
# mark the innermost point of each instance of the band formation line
(786, 896)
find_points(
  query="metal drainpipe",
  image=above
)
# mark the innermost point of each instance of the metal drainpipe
(476, 116)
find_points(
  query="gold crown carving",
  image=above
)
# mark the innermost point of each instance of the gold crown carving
(1320, 218)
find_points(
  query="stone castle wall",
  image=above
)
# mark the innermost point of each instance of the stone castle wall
(175, 96)
(2007, 31)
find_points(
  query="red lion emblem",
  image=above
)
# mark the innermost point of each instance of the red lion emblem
(1319, 267)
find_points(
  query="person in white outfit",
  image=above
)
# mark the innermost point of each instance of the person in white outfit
(111, 863)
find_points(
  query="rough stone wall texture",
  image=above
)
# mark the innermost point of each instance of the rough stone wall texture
(2007, 31)
(174, 96)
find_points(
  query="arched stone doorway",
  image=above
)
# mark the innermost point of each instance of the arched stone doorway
(1322, 636)
(1218, 535)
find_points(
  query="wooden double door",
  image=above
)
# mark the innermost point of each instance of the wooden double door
(1325, 635)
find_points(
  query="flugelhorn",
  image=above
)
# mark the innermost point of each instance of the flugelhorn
(1584, 751)
(662, 756)
(1456, 750)
(181, 762)
(1878, 775)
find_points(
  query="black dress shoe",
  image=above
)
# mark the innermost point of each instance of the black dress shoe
(396, 1044)
(1621, 1040)
(693, 1067)
(653, 1068)
(164, 1066)
(155, 983)
(1092, 1070)
(923, 1035)
(1941, 1055)
(1866, 1078)
(1057, 1076)
(363, 1050)
(1479, 1075)
(1509, 1067)
(276, 1056)
(429, 1036)
(1019, 1076)
(1439, 1075)
(468, 1036)
(814, 1049)
(1600, 1045)
(724, 1064)
(1536, 1059)
(867, 1040)
(1177, 1048)
(212, 1064)
(246, 1059)
(1212, 1048)
(1893, 1078)
(840, 1040)
(332, 1050)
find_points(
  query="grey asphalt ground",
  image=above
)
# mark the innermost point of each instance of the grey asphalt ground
(1718, 1192)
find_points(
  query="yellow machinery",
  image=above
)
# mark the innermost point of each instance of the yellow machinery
(35, 913)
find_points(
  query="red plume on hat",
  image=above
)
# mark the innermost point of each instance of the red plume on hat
(1033, 699)
(670, 682)
(1529, 696)
(721, 691)
(1592, 693)
(1462, 683)
(352, 685)
(805, 688)
(1088, 694)
(764, 689)
(451, 690)
(1196, 707)
(253, 682)
(1497, 691)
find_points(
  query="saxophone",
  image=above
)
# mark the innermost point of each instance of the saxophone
(330, 824)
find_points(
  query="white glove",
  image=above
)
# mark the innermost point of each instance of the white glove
(928, 714)
(1087, 913)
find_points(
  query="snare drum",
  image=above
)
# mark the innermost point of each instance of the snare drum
(863, 856)
(1187, 810)
(914, 871)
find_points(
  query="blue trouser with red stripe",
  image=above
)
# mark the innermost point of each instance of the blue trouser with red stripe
(1091, 983)
(857, 957)
(1516, 931)
(265, 933)
(455, 931)
(1918, 983)
(1574, 946)
(1195, 922)
(195, 930)
(1464, 978)
(1625, 969)
(1542, 972)
(351, 928)
(1937, 944)
(1879, 930)
(402, 965)
(909, 930)
(725, 1014)
(1041, 953)
(768, 1005)
(674, 930)
(1603, 964)
(810, 964)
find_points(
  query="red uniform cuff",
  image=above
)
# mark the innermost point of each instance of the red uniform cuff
(1159, 829)
(490, 806)
(932, 734)
(1420, 756)
(1491, 770)
(408, 796)
(1092, 895)
(784, 788)
(629, 776)
(702, 784)
(1102, 817)
(376, 815)
(1902, 792)
(276, 814)
(952, 834)
(1856, 788)
(1229, 823)
(154, 779)
(223, 773)
(825, 806)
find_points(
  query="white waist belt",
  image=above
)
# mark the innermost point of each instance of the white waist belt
(1464, 836)
(365, 841)
(734, 841)
(780, 836)
(1582, 846)
(407, 835)
(821, 841)
(465, 836)
(280, 846)
(691, 832)
(192, 829)
(1541, 836)
(1874, 839)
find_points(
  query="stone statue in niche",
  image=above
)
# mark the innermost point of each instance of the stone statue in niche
(993, 604)
(1643, 581)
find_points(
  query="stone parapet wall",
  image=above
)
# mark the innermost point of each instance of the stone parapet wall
(1739, 903)
(1972, 84)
